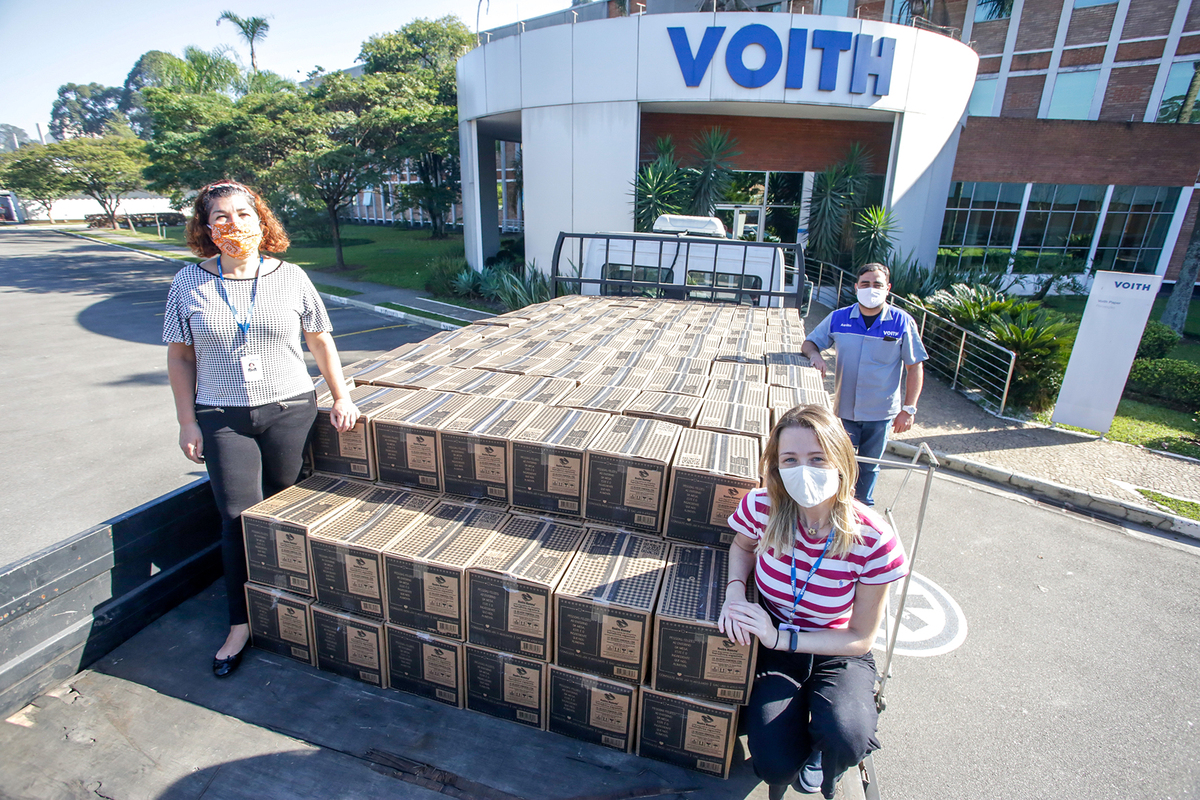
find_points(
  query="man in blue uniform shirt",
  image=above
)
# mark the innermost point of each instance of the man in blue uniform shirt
(878, 349)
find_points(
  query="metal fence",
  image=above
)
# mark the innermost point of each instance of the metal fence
(974, 365)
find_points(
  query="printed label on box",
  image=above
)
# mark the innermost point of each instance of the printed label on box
(563, 474)
(441, 595)
(527, 614)
(621, 639)
(353, 443)
(705, 734)
(521, 685)
(609, 711)
(440, 665)
(422, 452)
(290, 553)
(490, 463)
(726, 661)
(726, 499)
(643, 488)
(293, 624)
(362, 576)
(362, 648)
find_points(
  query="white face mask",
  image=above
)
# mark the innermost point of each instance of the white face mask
(809, 486)
(872, 297)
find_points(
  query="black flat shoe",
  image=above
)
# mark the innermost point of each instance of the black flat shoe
(224, 667)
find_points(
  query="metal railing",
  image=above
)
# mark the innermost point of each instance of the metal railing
(974, 364)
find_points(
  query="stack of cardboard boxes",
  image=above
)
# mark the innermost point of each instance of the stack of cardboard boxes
(546, 538)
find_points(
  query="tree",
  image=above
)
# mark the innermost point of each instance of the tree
(252, 29)
(32, 173)
(153, 68)
(83, 110)
(1175, 313)
(202, 71)
(12, 137)
(104, 169)
(425, 52)
(183, 152)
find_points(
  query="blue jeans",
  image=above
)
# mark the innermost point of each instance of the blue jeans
(870, 440)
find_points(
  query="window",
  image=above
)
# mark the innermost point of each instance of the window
(1090, 3)
(983, 97)
(836, 8)
(987, 10)
(1135, 228)
(1060, 222)
(1072, 97)
(1179, 82)
(980, 224)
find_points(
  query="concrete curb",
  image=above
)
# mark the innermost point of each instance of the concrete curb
(391, 312)
(152, 254)
(1072, 498)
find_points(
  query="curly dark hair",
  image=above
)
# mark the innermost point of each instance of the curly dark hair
(275, 239)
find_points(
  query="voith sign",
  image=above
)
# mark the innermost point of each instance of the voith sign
(871, 58)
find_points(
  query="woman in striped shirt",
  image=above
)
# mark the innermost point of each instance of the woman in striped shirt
(821, 562)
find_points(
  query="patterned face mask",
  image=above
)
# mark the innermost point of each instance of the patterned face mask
(235, 241)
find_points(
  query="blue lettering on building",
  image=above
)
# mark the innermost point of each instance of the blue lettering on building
(866, 62)
(1144, 287)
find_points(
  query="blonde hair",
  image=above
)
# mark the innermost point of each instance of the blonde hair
(784, 520)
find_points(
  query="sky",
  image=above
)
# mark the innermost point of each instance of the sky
(44, 45)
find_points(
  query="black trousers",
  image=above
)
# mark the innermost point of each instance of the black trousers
(251, 452)
(802, 703)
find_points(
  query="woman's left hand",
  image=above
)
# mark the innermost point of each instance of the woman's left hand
(750, 618)
(343, 415)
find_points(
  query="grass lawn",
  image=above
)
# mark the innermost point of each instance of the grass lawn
(338, 290)
(1155, 427)
(419, 312)
(1188, 348)
(1181, 508)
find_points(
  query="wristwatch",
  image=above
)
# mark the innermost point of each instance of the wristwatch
(910, 410)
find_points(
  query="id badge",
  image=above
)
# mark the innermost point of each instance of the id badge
(788, 627)
(252, 368)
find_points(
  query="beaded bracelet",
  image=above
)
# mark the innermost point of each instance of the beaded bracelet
(735, 580)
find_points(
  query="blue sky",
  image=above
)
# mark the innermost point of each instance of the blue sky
(46, 43)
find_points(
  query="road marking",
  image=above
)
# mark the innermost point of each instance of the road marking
(370, 330)
(932, 623)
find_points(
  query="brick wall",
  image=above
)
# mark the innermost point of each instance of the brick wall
(1128, 93)
(1070, 151)
(1149, 19)
(1028, 61)
(1090, 25)
(1082, 57)
(792, 145)
(1023, 95)
(989, 36)
(1185, 233)
(1188, 45)
(1039, 22)
(1193, 17)
(988, 66)
(1141, 51)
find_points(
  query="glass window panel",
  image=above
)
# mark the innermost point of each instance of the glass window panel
(986, 195)
(1003, 229)
(747, 187)
(1170, 199)
(949, 222)
(1157, 234)
(782, 224)
(1178, 81)
(1066, 198)
(1011, 195)
(1091, 198)
(1144, 198)
(983, 97)
(836, 8)
(1126, 260)
(979, 227)
(1135, 230)
(1090, 3)
(1148, 261)
(987, 10)
(1072, 96)
(1041, 196)
(1114, 228)
(783, 189)
(1058, 230)
(1034, 229)
(1025, 261)
(960, 195)
(1082, 229)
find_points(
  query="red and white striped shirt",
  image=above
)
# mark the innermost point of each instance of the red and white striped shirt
(879, 558)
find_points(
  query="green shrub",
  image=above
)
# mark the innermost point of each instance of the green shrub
(1158, 340)
(1042, 343)
(973, 306)
(441, 274)
(1169, 379)
(516, 292)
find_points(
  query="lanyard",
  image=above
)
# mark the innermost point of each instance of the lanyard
(796, 597)
(244, 327)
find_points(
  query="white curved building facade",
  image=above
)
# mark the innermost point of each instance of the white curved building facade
(586, 100)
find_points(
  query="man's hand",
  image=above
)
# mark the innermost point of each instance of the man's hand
(818, 363)
(902, 422)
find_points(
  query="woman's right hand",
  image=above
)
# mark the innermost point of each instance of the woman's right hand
(191, 442)
(725, 623)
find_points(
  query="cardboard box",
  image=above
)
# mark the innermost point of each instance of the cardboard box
(425, 665)
(593, 709)
(686, 732)
(468, 357)
(801, 377)
(507, 686)
(414, 375)
(727, 390)
(679, 376)
(604, 604)
(347, 563)
(736, 371)
(478, 382)
(790, 356)
(279, 622)
(783, 398)
(710, 475)
(276, 530)
(349, 645)
(682, 409)
(415, 351)
(734, 418)
(590, 397)
(352, 452)
(575, 370)
(691, 657)
(547, 459)
(745, 347)
(510, 585)
(617, 375)
(538, 389)
(626, 472)
(406, 442)
(475, 447)
(425, 569)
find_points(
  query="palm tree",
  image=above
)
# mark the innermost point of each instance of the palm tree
(253, 29)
